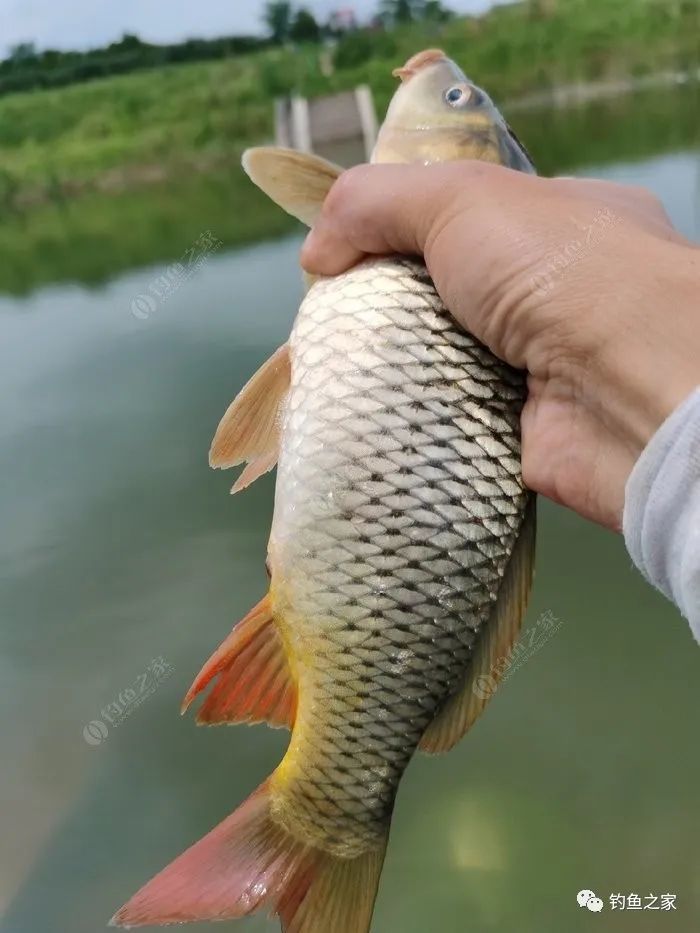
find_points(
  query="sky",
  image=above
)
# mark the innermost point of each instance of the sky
(80, 24)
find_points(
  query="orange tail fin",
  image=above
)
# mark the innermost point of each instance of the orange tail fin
(250, 863)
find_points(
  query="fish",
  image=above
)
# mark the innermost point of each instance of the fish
(400, 556)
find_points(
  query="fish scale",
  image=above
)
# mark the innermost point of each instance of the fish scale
(387, 550)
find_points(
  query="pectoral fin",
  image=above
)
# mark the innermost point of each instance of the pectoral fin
(297, 181)
(249, 432)
(496, 644)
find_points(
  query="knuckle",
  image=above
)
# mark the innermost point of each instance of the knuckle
(646, 197)
(473, 169)
(639, 191)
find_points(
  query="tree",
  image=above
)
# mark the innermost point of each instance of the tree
(278, 19)
(22, 52)
(435, 12)
(397, 12)
(304, 27)
(128, 43)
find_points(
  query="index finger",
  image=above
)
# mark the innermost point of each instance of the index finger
(382, 209)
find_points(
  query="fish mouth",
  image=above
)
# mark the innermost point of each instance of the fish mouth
(418, 63)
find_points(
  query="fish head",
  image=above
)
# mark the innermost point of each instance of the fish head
(439, 115)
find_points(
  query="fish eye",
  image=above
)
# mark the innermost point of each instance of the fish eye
(457, 96)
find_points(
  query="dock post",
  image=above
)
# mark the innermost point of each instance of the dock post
(282, 135)
(368, 117)
(301, 124)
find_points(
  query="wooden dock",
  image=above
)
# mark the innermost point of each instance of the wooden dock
(342, 125)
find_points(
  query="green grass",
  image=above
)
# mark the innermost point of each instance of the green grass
(169, 116)
(121, 171)
(181, 117)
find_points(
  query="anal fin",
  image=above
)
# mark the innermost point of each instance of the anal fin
(500, 634)
(251, 675)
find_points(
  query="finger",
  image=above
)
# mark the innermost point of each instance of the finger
(380, 209)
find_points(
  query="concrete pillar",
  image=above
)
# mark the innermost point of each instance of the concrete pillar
(301, 125)
(368, 117)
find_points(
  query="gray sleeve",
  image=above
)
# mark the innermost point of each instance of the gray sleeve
(661, 520)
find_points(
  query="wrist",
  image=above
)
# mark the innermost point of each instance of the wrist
(652, 361)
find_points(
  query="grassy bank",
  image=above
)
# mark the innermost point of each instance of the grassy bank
(104, 175)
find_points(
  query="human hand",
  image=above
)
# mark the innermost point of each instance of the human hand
(583, 283)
